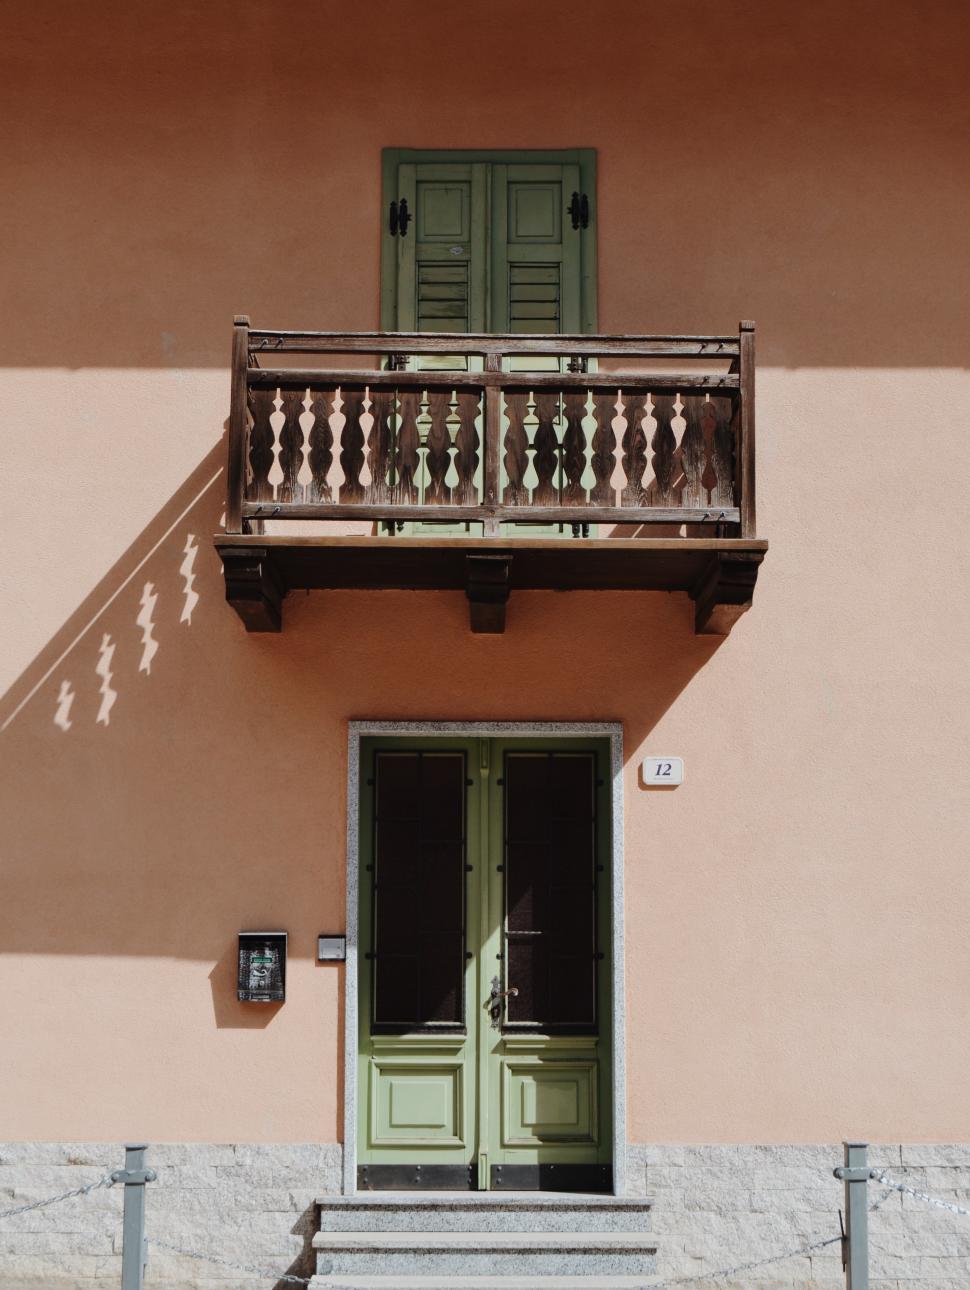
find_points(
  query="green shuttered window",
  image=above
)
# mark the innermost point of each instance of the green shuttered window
(491, 244)
(490, 247)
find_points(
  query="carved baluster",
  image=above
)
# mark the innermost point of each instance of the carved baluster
(467, 442)
(321, 446)
(380, 445)
(634, 450)
(546, 445)
(574, 447)
(352, 445)
(708, 478)
(291, 444)
(516, 444)
(722, 451)
(262, 405)
(664, 445)
(604, 448)
(692, 454)
(439, 442)
(408, 439)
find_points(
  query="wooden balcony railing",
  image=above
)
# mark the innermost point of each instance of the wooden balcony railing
(474, 435)
(493, 446)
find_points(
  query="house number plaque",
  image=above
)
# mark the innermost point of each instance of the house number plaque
(662, 772)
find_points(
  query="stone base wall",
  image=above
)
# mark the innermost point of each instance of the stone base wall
(720, 1206)
(247, 1204)
(714, 1207)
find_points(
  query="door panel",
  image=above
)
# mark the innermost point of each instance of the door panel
(481, 863)
(549, 1101)
(417, 1094)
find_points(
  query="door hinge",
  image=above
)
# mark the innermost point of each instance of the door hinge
(400, 217)
(578, 209)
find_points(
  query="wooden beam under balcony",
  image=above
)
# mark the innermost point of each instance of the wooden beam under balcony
(719, 574)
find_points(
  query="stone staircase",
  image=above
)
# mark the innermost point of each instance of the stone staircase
(483, 1241)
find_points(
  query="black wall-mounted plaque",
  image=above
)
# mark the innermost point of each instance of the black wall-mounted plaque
(262, 967)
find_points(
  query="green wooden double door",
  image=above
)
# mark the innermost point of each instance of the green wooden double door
(484, 1034)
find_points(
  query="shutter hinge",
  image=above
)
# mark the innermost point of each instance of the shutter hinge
(400, 217)
(578, 209)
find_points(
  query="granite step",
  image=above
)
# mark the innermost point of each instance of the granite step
(482, 1212)
(511, 1282)
(467, 1254)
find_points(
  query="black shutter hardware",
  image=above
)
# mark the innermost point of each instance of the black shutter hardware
(578, 209)
(400, 217)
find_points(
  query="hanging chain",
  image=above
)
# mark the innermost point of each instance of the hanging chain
(748, 1267)
(106, 1181)
(885, 1181)
(285, 1277)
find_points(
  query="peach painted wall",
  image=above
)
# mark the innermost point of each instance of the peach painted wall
(797, 917)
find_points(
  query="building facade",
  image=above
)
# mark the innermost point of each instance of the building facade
(699, 991)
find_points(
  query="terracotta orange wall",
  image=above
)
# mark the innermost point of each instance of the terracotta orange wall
(797, 912)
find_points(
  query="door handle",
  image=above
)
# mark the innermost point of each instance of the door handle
(494, 1001)
(502, 994)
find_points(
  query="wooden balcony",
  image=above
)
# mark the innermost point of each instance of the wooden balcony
(474, 463)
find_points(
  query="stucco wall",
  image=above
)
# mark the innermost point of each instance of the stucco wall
(797, 921)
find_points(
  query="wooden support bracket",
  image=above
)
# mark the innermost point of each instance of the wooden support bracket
(254, 587)
(487, 590)
(725, 591)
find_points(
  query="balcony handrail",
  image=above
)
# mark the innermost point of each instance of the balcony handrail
(604, 380)
(483, 344)
(482, 494)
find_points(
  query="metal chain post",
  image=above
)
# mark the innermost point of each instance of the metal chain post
(855, 1174)
(134, 1250)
